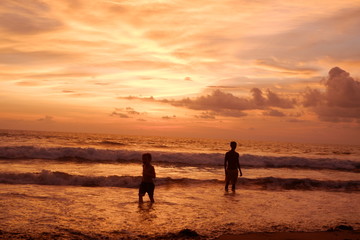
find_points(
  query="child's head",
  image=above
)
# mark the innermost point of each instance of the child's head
(146, 158)
(233, 145)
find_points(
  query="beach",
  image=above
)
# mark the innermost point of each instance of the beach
(340, 235)
(83, 186)
(188, 234)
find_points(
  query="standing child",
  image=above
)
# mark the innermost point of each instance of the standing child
(147, 184)
(232, 166)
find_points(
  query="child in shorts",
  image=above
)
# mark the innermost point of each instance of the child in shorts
(147, 184)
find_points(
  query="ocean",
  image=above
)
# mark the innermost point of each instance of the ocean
(81, 186)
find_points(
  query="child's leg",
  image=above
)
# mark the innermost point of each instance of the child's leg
(227, 180)
(141, 192)
(151, 192)
(227, 186)
(234, 180)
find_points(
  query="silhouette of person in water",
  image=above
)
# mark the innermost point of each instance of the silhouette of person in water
(231, 165)
(147, 184)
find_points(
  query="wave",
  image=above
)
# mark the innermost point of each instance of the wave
(46, 177)
(108, 142)
(209, 159)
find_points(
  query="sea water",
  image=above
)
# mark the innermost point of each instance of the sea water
(75, 184)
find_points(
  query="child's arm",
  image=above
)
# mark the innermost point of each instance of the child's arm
(238, 163)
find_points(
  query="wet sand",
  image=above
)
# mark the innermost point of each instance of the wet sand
(331, 235)
(336, 235)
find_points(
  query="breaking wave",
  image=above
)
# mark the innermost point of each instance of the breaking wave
(69, 154)
(46, 177)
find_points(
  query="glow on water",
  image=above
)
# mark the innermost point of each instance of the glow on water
(189, 190)
(204, 207)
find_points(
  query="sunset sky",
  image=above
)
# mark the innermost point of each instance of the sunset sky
(258, 70)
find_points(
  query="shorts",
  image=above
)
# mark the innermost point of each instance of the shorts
(146, 187)
(232, 175)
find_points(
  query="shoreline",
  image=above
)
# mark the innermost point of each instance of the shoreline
(296, 235)
(327, 235)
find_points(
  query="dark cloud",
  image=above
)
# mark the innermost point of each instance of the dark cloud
(131, 111)
(216, 101)
(294, 120)
(118, 114)
(206, 115)
(342, 90)
(258, 97)
(230, 113)
(46, 119)
(274, 113)
(127, 112)
(276, 101)
(229, 105)
(337, 114)
(147, 99)
(226, 104)
(312, 97)
(169, 117)
(339, 102)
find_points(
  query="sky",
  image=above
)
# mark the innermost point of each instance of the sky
(268, 70)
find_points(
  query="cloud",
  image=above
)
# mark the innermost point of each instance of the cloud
(271, 100)
(46, 119)
(27, 17)
(131, 111)
(216, 101)
(338, 114)
(339, 102)
(119, 114)
(342, 90)
(312, 97)
(206, 115)
(169, 117)
(127, 112)
(274, 113)
(226, 104)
